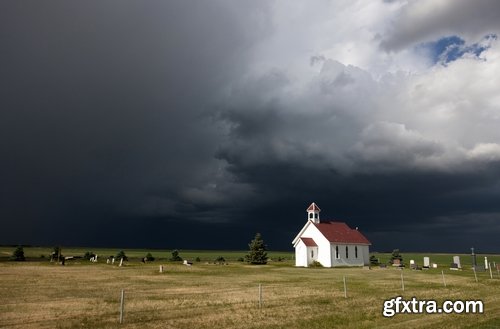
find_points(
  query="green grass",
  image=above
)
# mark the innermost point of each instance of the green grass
(40, 294)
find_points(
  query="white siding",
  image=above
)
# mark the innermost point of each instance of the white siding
(366, 254)
(300, 254)
(321, 253)
(351, 260)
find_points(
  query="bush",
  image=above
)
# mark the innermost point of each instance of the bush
(88, 255)
(198, 259)
(18, 254)
(374, 260)
(175, 256)
(315, 263)
(220, 260)
(241, 259)
(149, 257)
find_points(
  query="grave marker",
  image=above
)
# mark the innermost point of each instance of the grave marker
(426, 262)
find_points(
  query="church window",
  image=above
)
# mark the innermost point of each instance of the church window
(337, 252)
(346, 252)
(356, 251)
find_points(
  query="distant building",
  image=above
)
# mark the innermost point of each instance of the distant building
(330, 243)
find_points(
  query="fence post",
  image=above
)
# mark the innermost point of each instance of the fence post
(475, 275)
(402, 281)
(444, 281)
(122, 302)
(491, 273)
(260, 295)
(345, 288)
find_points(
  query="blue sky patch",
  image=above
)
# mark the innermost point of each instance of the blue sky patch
(451, 48)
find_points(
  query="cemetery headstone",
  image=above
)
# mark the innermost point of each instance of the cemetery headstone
(456, 260)
(486, 263)
(426, 262)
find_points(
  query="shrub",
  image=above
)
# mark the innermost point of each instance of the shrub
(149, 257)
(18, 254)
(315, 263)
(198, 259)
(220, 260)
(374, 260)
(175, 256)
(88, 255)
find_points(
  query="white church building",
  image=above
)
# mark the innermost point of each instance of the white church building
(330, 243)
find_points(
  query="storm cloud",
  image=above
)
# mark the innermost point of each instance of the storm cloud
(126, 123)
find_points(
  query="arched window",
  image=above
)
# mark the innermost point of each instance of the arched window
(311, 215)
(337, 252)
(346, 252)
(356, 251)
(316, 215)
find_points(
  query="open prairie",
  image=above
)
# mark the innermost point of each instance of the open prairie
(40, 294)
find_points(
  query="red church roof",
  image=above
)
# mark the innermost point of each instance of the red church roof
(313, 207)
(309, 242)
(341, 233)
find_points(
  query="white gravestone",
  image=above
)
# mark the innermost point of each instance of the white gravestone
(485, 263)
(426, 262)
(456, 260)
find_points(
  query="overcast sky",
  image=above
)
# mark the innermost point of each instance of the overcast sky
(196, 124)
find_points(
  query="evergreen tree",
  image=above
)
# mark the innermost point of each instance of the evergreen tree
(257, 253)
(18, 254)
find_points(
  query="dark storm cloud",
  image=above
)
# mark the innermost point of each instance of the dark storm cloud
(197, 124)
(104, 108)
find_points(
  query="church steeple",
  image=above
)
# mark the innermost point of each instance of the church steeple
(313, 213)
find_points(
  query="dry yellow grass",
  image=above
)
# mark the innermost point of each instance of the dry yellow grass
(43, 295)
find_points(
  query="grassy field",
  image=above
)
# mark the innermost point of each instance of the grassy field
(40, 294)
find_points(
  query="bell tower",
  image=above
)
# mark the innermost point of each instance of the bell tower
(313, 213)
